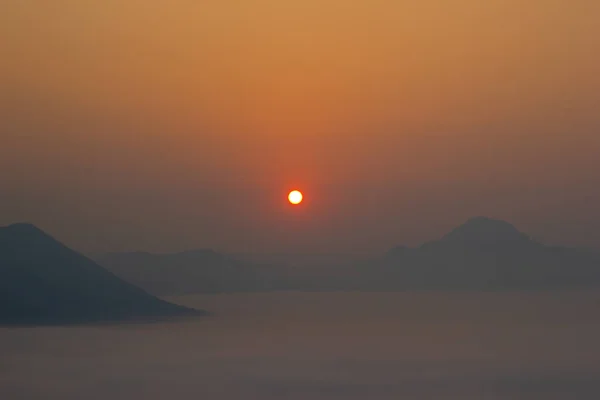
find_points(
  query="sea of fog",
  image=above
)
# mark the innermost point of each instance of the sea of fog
(312, 346)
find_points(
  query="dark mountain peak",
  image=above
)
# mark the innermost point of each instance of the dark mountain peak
(43, 281)
(22, 228)
(485, 230)
(24, 235)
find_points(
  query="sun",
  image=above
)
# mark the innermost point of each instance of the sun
(295, 197)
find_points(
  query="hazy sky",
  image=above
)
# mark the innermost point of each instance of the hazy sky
(166, 125)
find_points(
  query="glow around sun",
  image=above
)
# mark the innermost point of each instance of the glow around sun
(295, 197)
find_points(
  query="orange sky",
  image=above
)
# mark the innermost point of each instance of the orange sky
(163, 125)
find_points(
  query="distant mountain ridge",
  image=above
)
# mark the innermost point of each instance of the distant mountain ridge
(43, 281)
(487, 254)
(481, 254)
(193, 271)
(484, 230)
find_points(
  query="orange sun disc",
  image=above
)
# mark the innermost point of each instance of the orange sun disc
(295, 197)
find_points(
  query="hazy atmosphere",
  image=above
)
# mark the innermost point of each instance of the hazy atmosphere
(332, 346)
(170, 125)
(303, 200)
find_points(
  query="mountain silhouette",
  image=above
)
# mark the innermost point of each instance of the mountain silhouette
(43, 281)
(196, 271)
(481, 254)
(485, 231)
(206, 271)
(484, 253)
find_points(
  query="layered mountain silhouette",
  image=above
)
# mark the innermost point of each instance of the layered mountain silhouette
(206, 271)
(197, 271)
(44, 282)
(481, 254)
(486, 253)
